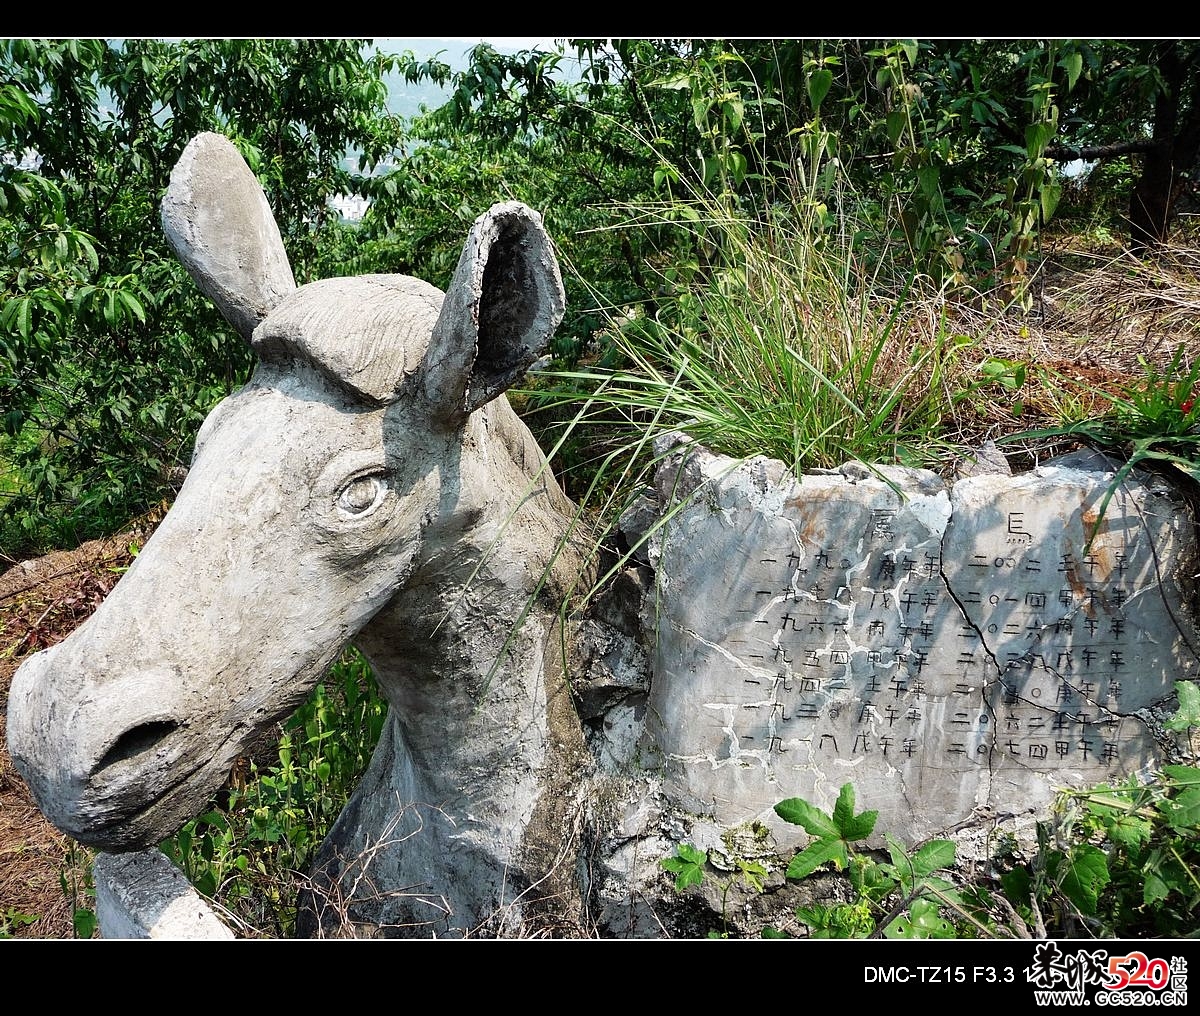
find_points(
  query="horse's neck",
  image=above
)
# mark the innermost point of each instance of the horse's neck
(461, 652)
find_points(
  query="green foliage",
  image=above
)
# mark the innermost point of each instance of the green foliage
(75, 879)
(690, 866)
(1188, 713)
(13, 920)
(931, 158)
(1154, 422)
(109, 355)
(1117, 861)
(250, 851)
(687, 865)
(832, 835)
(901, 898)
(1120, 861)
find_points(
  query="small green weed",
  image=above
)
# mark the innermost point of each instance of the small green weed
(75, 878)
(689, 865)
(13, 920)
(900, 898)
(248, 853)
(1155, 422)
(903, 897)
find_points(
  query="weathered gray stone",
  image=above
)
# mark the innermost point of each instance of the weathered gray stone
(957, 653)
(217, 219)
(143, 895)
(987, 458)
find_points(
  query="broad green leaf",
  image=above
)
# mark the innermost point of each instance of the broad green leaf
(1073, 63)
(819, 83)
(1036, 136)
(852, 827)
(932, 856)
(24, 316)
(769, 932)
(922, 921)
(1188, 713)
(929, 181)
(732, 111)
(1128, 830)
(1050, 195)
(816, 854)
(1154, 888)
(1183, 775)
(737, 167)
(1182, 811)
(843, 810)
(1017, 885)
(799, 812)
(134, 306)
(81, 296)
(910, 48)
(84, 921)
(753, 874)
(1087, 874)
(687, 865)
(84, 243)
(859, 827)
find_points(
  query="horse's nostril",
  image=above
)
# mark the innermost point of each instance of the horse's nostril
(135, 741)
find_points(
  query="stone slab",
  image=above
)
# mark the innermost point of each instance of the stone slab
(142, 895)
(957, 652)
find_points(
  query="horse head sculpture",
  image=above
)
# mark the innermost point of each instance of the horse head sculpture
(370, 483)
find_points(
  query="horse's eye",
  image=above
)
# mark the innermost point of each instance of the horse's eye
(362, 495)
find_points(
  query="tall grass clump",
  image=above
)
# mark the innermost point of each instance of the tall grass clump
(768, 335)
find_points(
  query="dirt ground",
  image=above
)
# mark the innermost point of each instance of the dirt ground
(1095, 317)
(43, 873)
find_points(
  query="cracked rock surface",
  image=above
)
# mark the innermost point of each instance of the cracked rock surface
(956, 651)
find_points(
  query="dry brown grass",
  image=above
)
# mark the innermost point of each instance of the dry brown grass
(41, 602)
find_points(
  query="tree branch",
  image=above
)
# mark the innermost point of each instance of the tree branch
(1066, 153)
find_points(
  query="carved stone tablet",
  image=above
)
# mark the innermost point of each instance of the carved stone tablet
(955, 652)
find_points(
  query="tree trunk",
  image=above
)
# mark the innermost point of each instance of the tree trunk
(1174, 150)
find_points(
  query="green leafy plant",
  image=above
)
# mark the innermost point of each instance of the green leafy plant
(689, 865)
(899, 898)
(12, 920)
(902, 897)
(1154, 422)
(1119, 860)
(75, 879)
(249, 851)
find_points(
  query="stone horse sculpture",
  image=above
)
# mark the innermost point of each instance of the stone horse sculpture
(370, 483)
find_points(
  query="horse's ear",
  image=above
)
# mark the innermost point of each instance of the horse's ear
(216, 217)
(500, 311)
